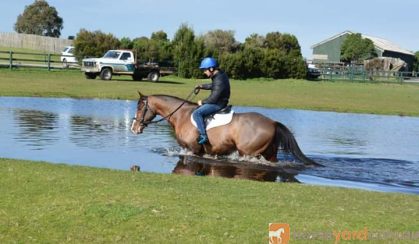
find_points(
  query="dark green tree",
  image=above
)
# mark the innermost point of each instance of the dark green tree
(141, 48)
(154, 49)
(356, 49)
(94, 44)
(161, 46)
(282, 57)
(126, 43)
(41, 19)
(187, 52)
(234, 65)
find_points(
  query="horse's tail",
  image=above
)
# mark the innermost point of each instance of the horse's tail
(286, 141)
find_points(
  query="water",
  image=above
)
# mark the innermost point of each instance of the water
(361, 151)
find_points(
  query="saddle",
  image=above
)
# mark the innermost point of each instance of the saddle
(225, 110)
(222, 117)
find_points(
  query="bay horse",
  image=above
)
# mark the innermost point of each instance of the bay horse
(251, 134)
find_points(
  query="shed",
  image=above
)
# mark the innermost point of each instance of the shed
(328, 51)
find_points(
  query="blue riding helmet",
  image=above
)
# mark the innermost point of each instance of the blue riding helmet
(208, 62)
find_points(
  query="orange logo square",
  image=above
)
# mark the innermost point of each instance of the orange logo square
(279, 233)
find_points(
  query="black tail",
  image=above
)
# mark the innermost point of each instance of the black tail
(287, 142)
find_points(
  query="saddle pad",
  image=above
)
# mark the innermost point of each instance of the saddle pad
(216, 120)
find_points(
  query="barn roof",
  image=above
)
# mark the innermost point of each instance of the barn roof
(379, 43)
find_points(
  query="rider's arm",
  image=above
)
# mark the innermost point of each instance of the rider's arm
(206, 86)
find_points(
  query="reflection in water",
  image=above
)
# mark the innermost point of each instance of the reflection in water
(192, 165)
(38, 128)
(88, 131)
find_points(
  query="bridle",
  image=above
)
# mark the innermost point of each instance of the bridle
(142, 119)
(144, 123)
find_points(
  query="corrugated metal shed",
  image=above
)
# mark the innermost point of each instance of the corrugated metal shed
(328, 51)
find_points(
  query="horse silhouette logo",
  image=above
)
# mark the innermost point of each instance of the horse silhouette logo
(279, 233)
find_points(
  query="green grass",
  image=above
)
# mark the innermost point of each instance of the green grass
(341, 96)
(47, 203)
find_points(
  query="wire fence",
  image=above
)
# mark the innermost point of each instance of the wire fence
(359, 74)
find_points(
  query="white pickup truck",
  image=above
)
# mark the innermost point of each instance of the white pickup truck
(119, 62)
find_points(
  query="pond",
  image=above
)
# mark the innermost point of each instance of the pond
(372, 152)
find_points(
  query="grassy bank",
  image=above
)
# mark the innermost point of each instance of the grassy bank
(56, 203)
(377, 98)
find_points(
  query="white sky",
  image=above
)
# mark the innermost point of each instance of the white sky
(310, 21)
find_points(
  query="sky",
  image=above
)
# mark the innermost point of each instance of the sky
(310, 21)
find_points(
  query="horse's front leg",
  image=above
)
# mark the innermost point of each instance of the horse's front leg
(188, 139)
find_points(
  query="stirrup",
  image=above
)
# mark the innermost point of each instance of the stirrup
(202, 139)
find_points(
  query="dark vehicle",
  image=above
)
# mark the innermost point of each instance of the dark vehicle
(313, 73)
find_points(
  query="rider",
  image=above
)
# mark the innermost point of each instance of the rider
(217, 100)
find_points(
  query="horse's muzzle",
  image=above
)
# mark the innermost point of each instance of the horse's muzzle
(136, 127)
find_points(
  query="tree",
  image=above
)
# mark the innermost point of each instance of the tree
(154, 49)
(40, 19)
(254, 40)
(161, 44)
(356, 49)
(218, 42)
(126, 43)
(282, 57)
(93, 44)
(187, 52)
(142, 49)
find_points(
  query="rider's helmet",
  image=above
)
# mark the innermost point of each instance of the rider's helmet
(208, 63)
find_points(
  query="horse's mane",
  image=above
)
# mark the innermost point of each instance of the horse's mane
(170, 99)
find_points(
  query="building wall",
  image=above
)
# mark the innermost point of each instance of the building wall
(329, 51)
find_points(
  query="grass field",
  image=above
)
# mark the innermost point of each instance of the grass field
(376, 98)
(47, 203)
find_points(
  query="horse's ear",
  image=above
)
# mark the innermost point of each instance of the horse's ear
(141, 95)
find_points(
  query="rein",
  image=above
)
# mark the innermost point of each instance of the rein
(146, 107)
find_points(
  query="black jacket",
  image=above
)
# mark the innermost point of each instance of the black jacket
(220, 89)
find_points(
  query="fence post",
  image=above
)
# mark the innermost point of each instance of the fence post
(49, 61)
(10, 60)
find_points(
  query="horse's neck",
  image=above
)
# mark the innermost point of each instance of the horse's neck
(173, 108)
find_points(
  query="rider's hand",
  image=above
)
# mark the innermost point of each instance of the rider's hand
(200, 102)
(197, 89)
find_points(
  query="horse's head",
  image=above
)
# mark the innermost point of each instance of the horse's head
(143, 116)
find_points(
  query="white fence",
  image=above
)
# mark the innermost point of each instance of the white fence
(35, 42)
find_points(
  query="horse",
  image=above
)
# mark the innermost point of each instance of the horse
(250, 134)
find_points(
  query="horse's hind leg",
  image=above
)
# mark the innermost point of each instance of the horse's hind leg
(270, 153)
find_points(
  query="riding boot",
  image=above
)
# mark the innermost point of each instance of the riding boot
(202, 139)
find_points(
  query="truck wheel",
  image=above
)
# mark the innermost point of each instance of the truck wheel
(153, 76)
(106, 74)
(90, 76)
